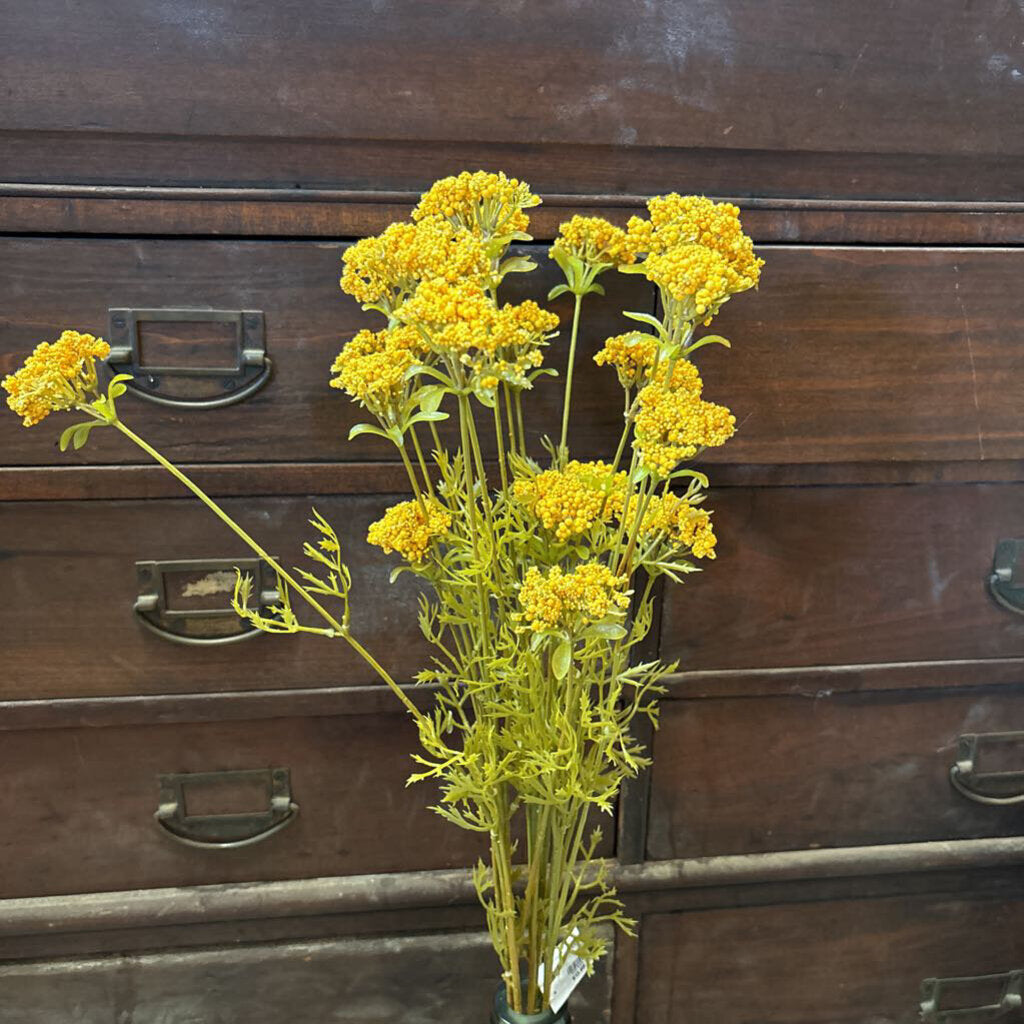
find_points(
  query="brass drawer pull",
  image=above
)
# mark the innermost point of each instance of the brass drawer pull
(224, 831)
(181, 600)
(244, 372)
(1005, 584)
(1010, 987)
(995, 788)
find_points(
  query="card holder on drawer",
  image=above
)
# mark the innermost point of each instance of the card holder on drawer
(188, 601)
(946, 1000)
(224, 363)
(996, 786)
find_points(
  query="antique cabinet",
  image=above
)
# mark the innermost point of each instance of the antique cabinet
(832, 831)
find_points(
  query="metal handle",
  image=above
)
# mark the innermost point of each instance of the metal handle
(1005, 584)
(226, 385)
(995, 789)
(1011, 987)
(202, 577)
(224, 831)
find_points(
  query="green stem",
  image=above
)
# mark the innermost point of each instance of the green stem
(568, 373)
(340, 629)
(422, 461)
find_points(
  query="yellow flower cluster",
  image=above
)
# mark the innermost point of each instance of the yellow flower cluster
(513, 346)
(631, 354)
(383, 268)
(556, 599)
(697, 251)
(595, 241)
(691, 274)
(677, 518)
(57, 376)
(484, 203)
(570, 501)
(405, 529)
(456, 317)
(371, 367)
(673, 422)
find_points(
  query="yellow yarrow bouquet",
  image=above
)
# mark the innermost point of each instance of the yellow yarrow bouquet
(539, 576)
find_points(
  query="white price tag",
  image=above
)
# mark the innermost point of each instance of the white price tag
(571, 970)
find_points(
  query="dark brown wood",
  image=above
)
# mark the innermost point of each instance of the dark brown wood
(272, 213)
(85, 806)
(51, 284)
(56, 482)
(850, 335)
(343, 100)
(755, 775)
(849, 962)
(413, 978)
(70, 581)
(826, 575)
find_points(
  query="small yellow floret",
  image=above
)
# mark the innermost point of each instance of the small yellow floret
(371, 367)
(482, 202)
(631, 354)
(679, 520)
(570, 501)
(595, 242)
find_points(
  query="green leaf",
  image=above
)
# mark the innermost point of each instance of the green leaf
(396, 572)
(81, 435)
(430, 397)
(632, 268)
(562, 659)
(646, 318)
(608, 630)
(65, 437)
(710, 339)
(366, 428)
(516, 265)
(559, 289)
(595, 287)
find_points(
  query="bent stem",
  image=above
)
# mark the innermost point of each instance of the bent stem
(339, 628)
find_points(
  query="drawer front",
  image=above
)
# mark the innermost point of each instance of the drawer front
(849, 335)
(419, 979)
(848, 575)
(71, 587)
(83, 816)
(50, 284)
(692, 92)
(845, 962)
(750, 775)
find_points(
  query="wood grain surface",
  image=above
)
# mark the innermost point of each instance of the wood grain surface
(818, 576)
(829, 770)
(802, 100)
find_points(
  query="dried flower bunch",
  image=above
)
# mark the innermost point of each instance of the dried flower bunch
(539, 576)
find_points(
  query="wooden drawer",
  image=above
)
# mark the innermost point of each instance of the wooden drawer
(848, 575)
(809, 770)
(735, 97)
(53, 283)
(82, 819)
(840, 962)
(71, 586)
(415, 979)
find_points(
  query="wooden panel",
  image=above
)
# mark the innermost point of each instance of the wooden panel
(82, 820)
(863, 83)
(831, 575)
(842, 962)
(52, 284)
(418, 979)
(70, 589)
(849, 336)
(754, 775)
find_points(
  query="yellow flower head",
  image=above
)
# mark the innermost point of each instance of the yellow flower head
(696, 220)
(632, 354)
(513, 346)
(568, 600)
(455, 317)
(595, 242)
(679, 520)
(371, 367)
(57, 376)
(383, 269)
(570, 501)
(674, 423)
(405, 529)
(694, 275)
(484, 203)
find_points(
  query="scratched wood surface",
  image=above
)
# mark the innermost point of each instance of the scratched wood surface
(814, 770)
(870, 99)
(417, 979)
(834, 962)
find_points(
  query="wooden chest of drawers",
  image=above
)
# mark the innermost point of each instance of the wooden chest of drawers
(830, 821)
